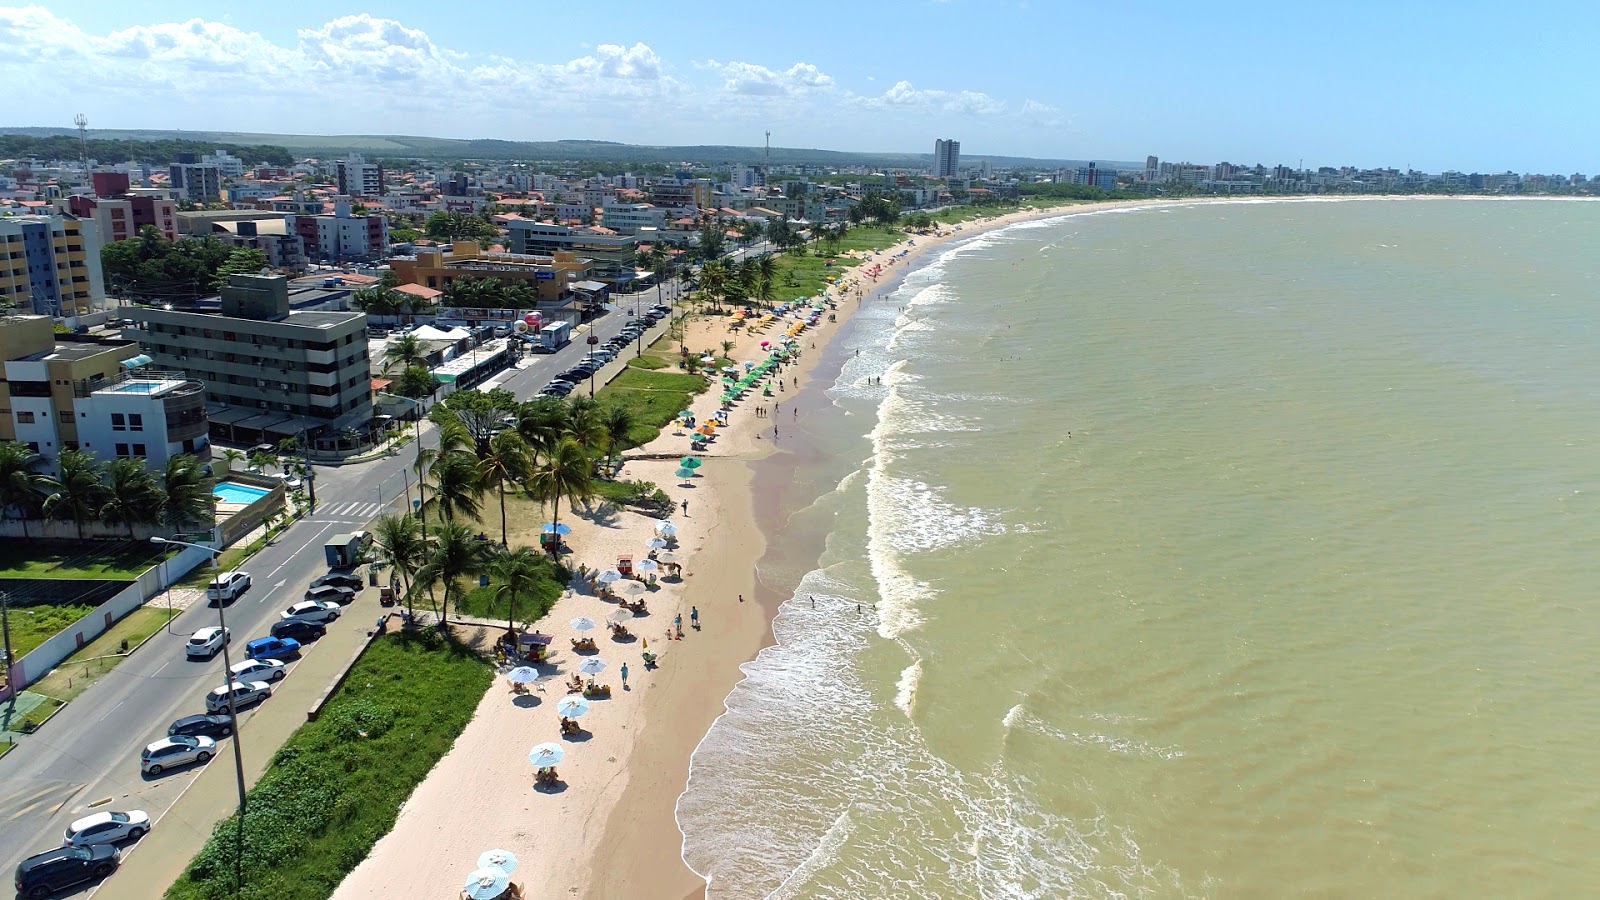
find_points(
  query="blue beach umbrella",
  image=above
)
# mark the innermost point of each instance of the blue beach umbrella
(686, 474)
(503, 860)
(487, 883)
(572, 707)
(523, 675)
(546, 754)
(556, 528)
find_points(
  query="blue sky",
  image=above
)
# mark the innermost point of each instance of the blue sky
(1429, 85)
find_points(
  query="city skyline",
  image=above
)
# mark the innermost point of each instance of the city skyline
(1290, 86)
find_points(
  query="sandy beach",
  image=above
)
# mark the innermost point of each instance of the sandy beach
(608, 828)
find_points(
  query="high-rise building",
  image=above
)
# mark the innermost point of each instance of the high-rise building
(1152, 166)
(946, 158)
(50, 265)
(196, 182)
(359, 178)
(1095, 177)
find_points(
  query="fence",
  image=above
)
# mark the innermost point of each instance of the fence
(38, 662)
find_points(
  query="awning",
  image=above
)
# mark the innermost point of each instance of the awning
(134, 362)
(590, 286)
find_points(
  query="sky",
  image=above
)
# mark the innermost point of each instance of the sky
(1424, 84)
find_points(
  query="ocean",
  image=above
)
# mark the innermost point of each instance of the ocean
(1222, 550)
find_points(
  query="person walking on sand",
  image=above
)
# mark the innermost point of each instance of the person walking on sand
(694, 617)
(624, 673)
(677, 622)
(686, 506)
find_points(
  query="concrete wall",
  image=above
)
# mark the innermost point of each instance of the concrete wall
(46, 656)
(50, 529)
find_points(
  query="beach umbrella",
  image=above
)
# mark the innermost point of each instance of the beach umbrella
(523, 674)
(487, 883)
(684, 414)
(630, 588)
(749, 365)
(667, 557)
(708, 359)
(571, 707)
(594, 665)
(547, 754)
(609, 576)
(689, 462)
(620, 617)
(647, 565)
(685, 474)
(555, 528)
(504, 860)
(731, 369)
(666, 529)
(655, 543)
(584, 623)
(766, 343)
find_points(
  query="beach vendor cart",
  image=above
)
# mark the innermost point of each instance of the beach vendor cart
(534, 647)
(625, 566)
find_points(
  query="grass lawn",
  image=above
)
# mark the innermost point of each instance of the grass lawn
(37, 715)
(6, 747)
(33, 625)
(531, 606)
(97, 560)
(653, 397)
(648, 362)
(805, 275)
(99, 656)
(336, 787)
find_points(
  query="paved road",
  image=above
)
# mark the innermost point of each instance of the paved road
(90, 750)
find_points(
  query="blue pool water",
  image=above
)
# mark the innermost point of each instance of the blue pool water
(137, 387)
(233, 492)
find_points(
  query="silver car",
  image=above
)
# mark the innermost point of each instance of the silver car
(312, 610)
(244, 694)
(170, 752)
(108, 828)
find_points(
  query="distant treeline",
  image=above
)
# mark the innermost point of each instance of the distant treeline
(19, 146)
(1075, 192)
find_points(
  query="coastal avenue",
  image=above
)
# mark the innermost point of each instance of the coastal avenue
(90, 750)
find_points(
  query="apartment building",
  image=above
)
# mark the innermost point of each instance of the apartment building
(946, 158)
(694, 194)
(284, 249)
(630, 218)
(72, 392)
(50, 265)
(611, 256)
(359, 178)
(269, 373)
(552, 275)
(196, 182)
(118, 213)
(343, 235)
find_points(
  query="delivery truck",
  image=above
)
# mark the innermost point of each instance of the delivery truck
(344, 550)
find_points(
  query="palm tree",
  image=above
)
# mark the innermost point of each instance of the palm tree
(263, 460)
(187, 490)
(133, 496)
(766, 277)
(233, 457)
(453, 555)
(727, 348)
(399, 543)
(714, 280)
(457, 485)
(542, 423)
(79, 492)
(23, 487)
(617, 421)
(566, 472)
(405, 353)
(508, 460)
(584, 424)
(517, 571)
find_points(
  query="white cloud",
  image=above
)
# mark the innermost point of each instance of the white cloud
(905, 95)
(757, 80)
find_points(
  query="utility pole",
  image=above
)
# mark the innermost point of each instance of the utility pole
(82, 121)
(5, 629)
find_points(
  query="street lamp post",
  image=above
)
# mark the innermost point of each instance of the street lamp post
(233, 717)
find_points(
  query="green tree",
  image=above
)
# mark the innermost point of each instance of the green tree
(713, 241)
(766, 277)
(415, 383)
(23, 488)
(617, 421)
(133, 496)
(186, 490)
(518, 573)
(242, 261)
(508, 461)
(542, 423)
(79, 492)
(567, 472)
(233, 457)
(404, 353)
(400, 543)
(457, 486)
(453, 555)
(480, 413)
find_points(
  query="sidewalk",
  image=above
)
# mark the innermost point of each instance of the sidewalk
(179, 833)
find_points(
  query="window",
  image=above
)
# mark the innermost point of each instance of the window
(135, 422)
(122, 450)
(118, 423)
(66, 416)
(138, 450)
(24, 418)
(33, 446)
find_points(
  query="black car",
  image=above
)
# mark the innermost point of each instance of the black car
(664, 310)
(339, 579)
(559, 389)
(541, 348)
(201, 726)
(298, 629)
(45, 873)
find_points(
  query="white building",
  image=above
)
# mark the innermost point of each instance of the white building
(743, 177)
(230, 166)
(629, 218)
(359, 178)
(946, 158)
(148, 415)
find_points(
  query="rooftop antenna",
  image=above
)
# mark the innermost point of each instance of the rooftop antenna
(82, 121)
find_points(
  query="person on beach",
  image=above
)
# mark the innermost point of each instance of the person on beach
(694, 617)
(741, 598)
(624, 673)
(677, 622)
(813, 601)
(686, 506)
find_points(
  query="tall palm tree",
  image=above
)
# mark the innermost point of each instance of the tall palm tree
(766, 277)
(457, 485)
(23, 488)
(584, 425)
(187, 490)
(714, 280)
(617, 421)
(508, 460)
(542, 423)
(567, 472)
(233, 457)
(400, 543)
(453, 555)
(79, 491)
(263, 460)
(404, 353)
(133, 496)
(517, 571)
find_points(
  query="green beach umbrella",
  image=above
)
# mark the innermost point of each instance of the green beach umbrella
(689, 462)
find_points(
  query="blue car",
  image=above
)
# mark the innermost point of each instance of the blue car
(272, 648)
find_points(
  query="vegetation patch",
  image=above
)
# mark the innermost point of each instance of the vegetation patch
(653, 398)
(114, 561)
(491, 602)
(805, 273)
(648, 362)
(36, 716)
(33, 625)
(336, 787)
(94, 659)
(642, 495)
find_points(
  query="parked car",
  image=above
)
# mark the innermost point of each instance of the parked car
(298, 630)
(108, 828)
(42, 874)
(211, 726)
(338, 579)
(662, 308)
(560, 389)
(205, 643)
(274, 647)
(225, 588)
(329, 593)
(313, 610)
(541, 348)
(244, 693)
(177, 750)
(259, 670)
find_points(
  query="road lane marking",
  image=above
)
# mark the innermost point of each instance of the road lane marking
(111, 710)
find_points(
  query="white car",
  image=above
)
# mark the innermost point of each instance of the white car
(312, 610)
(108, 828)
(170, 752)
(259, 670)
(205, 643)
(244, 694)
(227, 586)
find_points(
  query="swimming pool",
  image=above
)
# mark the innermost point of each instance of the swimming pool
(137, 387)
(234, 492)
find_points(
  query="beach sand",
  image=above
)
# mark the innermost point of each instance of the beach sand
(609, 829)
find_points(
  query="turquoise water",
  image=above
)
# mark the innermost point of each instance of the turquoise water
(137, 387)
(1221, 550)
(233, 492)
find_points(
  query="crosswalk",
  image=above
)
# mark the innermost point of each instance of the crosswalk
(37, 799)
(355, 511)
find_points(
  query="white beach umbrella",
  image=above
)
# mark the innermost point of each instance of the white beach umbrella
(498, 859)
(667, 557)
(487, 883)
(655, 543)
(523, 674)
(571, 707)
(583, 623)
(620, 617)
(546, 754)
(594, 665)
(609, 576)
(647, 565)
(630, 588)
(666, 529)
